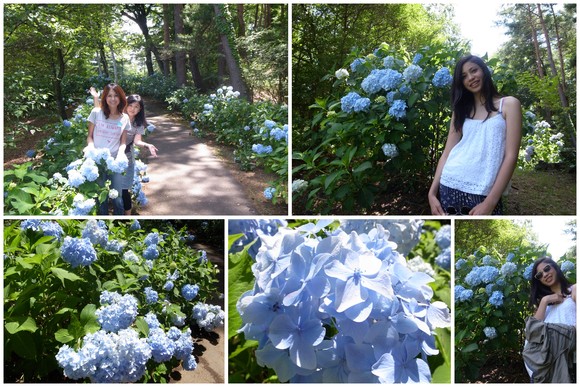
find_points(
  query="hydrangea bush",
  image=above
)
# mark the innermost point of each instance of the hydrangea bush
(327, 303)
(257, 131)
(540, 144)
(103, 310)
(387, 116)
(62, 180)
(491, 305)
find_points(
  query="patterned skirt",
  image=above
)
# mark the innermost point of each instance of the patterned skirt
(455, 202)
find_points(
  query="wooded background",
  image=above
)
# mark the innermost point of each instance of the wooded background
(54, 52)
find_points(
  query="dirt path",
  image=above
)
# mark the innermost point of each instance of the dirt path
(187, 178)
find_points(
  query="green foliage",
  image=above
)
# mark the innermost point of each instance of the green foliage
(48, 303)
(539, 145)
(341, 157)
(238, 123)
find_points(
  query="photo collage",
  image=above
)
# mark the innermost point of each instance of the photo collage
(289, 192)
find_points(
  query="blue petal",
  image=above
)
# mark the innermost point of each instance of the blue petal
(385, 369)
(282, 331)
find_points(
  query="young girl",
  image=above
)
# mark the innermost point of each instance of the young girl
(482, 146)
(108, 128)
(135, 109)
(554, 302)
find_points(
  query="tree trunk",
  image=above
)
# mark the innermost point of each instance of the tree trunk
(115, 74)
(58, 74)
(233, 67)
(560, 48)
(139, 13)
(539, 65)
(241, 29)
(267, 16)
(195, 73)
(563, 99)
(166, 39)
(179, 52)
(103, 59)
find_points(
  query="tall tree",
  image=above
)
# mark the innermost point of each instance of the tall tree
(225, 32)
(139, 14)
(166, 39)
(179, 51)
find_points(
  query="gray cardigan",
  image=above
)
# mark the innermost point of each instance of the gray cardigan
(550, 351)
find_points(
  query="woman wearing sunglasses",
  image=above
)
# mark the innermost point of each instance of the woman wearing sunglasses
(550, 350)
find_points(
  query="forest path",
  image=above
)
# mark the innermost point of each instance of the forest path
(186, 177)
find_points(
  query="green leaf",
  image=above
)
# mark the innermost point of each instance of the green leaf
(240, 269)
(232, 238)
(442, 374)
(248, 344)
(63, 274)
(363, 167)
(88, 314)
(470, 348)
(14, 325)
(23, 344)
(63, 336)
(333, 176)
(142, 325)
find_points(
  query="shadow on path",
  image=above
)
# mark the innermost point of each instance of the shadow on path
(187, 178)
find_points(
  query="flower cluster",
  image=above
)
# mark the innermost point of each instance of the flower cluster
(78, 251)
(390, 150)
(443, 240)
(299, 185)
(442, 78)
(189, 292)
(251, 230)
(208, 317)
(269, 193)
(353, 102)
(340, 308)
(261, 149)
(107, 357)
(96, 232)
(490, 332)
(82, 206)
(341, 74)
(117, 311)
(48, 228)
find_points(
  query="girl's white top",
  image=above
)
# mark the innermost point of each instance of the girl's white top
(107, 131)
(564, 313)
(474, 162)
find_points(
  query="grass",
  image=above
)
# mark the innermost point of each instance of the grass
(542, 193)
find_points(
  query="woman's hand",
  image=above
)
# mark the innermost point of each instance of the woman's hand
(556, 298)
(435, 205)
(483, 208)
(94, 92)
(152, 149)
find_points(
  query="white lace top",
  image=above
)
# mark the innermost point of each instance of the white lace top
(564, 313)
(474, 162)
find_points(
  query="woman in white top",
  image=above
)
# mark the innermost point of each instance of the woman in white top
(108, 127)
(482, 146)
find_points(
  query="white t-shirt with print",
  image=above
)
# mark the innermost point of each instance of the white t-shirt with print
(107, 131)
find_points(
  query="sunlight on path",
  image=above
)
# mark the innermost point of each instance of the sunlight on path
(187, 178)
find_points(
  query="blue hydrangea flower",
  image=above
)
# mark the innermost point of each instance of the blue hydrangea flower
(106, 357)
(269, 193)
(398, 109)
(75, 178)
(391, 96)
(489, 289)
(117, 166)
(190, 364)
(417, 58)
(82, 206)
(269, 124)
(131, 256)
(567, 266)
(280, 134)
(250, 231)
(151, 239)
(189, 292)
(117, 311)
(348, 101)
(78, 251)
(354, 66)
(152, 321)
(89, 170)
(207, 316)
(362, 105)
(443, 237)
(444, 259)
(261, 149)
(30, 224)
(390, 150)
(162, 347)
(203, 257)
(510, 257)
(460, 263)
(442, 78)
(115, 246)
(528, 272)
(412, 73)
(490, 332)
(508, 269)
(66, 123)
(487, 260)
(30, 153)
(96, 232)
(151, 252)
(151, 296)
(391, 79)
(52, 229)
(168, 286)
(388, 62)
(496, 298)
(372, 82)
(135, 225)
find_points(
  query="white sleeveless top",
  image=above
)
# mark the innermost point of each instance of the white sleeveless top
(564, 313)
(474, 162)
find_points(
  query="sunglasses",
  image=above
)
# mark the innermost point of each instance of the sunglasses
(540, 274)
(455, 211)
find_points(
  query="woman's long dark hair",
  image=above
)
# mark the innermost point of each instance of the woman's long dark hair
(538, 290)
(120, 93)
(462, 100)
(139, 117)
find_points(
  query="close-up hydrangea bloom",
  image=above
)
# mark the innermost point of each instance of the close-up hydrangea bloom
(151, 296)
(398, 109)
(442, 78)
(152, 239)
(496, 298)
(390, 150)
(151, 252)
(251, 230)
(344, 307)
(412, 73)
(207, 316)
(508, 269)
(348, 101)
(566, 266)
(354, 66)
(189, 292)
(78, 251)
(117, 311)
(96, 232)
(490, 332)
